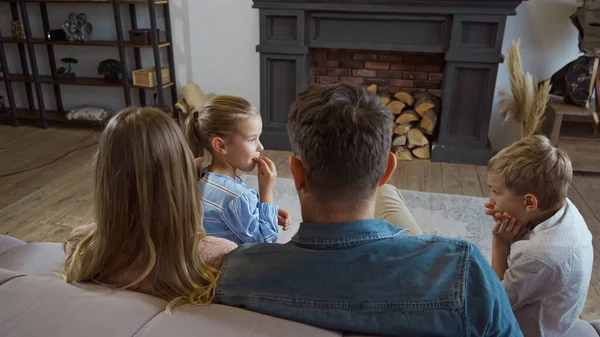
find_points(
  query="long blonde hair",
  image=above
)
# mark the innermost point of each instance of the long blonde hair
(147, 211)
(219, 117)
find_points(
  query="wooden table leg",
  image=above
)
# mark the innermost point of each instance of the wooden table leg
(558, 118)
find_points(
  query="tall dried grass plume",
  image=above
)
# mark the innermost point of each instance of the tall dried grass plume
(526, 103)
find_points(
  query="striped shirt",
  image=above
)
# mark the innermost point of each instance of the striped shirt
(233, 211)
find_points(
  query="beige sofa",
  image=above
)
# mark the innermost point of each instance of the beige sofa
(35, 302)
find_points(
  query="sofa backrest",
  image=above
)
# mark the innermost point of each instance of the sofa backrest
(34, 301)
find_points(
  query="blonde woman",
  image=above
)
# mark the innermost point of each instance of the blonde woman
(148, 235)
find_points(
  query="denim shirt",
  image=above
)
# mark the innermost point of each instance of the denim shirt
(369, 277)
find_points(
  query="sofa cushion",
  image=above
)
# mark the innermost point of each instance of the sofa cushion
(596, 325)
(223, 321)
(34, 258)
(7, 243)
(581, 329)
(7, 275)
(48, 306)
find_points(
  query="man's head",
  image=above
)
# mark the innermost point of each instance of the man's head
(529, 177)
(341, 137)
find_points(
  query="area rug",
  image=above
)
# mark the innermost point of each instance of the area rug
(441, 214)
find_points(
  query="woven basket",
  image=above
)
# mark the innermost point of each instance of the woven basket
(146, 77)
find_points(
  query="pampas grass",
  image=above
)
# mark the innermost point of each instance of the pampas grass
(526, 103)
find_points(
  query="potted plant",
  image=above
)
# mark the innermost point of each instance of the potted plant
(110, 69)
(66, 72)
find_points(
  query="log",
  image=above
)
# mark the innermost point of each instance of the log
(405, 97)
(396, 107)
(403, 153)
(399, 141)
(402, 129)
(372, 89)
(385, 100)
(416, 138)
(422, 152)
(407, 116)
(429, 121)
(423, 102)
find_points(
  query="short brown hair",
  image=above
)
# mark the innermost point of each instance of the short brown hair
(342, 134)
(533, 165)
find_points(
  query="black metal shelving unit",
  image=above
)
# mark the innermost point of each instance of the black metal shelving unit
(34, 79)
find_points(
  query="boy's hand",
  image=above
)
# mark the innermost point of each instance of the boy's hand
(491, 211)
(267, 174)
(507, 228)
(284, 219)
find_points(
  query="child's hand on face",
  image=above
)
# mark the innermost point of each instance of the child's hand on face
(491, 211)
(267, 174)
(284, 219)
(507, 229)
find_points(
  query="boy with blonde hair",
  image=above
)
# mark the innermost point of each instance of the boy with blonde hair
(541, 248)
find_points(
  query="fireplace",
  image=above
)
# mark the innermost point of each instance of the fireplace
(466, 34)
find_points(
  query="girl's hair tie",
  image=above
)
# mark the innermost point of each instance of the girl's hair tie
(196, 115)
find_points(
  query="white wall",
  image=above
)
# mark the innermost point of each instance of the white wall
(221, 55)
(548, 42)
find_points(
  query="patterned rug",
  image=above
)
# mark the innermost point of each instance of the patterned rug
(442, 214)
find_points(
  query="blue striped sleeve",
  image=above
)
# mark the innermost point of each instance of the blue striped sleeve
(250, 220)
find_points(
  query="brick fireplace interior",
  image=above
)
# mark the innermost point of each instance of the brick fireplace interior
(390, 71)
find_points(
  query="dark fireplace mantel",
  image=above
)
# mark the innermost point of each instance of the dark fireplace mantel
(468, 32)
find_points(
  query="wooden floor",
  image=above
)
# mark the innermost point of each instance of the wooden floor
(44, 204)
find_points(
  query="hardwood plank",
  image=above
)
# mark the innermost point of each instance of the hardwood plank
(414, 175)
(398, 179)
(40, 208)
(482, 174)
(592, 306)
(580, 150)
(592, 222)
(63, 186)
(432, 179)
(451, 179)
(16, 187)
(47, 233)
(470, 180)
(590, 193)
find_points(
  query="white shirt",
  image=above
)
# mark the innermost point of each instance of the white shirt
(549, 274)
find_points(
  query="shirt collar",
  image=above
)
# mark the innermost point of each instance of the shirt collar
(216, 176)
(553, 220)
(344, 234)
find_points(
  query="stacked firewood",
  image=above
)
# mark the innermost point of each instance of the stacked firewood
(416, 117)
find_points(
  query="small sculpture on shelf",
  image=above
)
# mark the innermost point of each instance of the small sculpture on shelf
(66, 72)
(17, 30)
(110, 69)
(70, 27)
(85, 28)
(77, 28)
